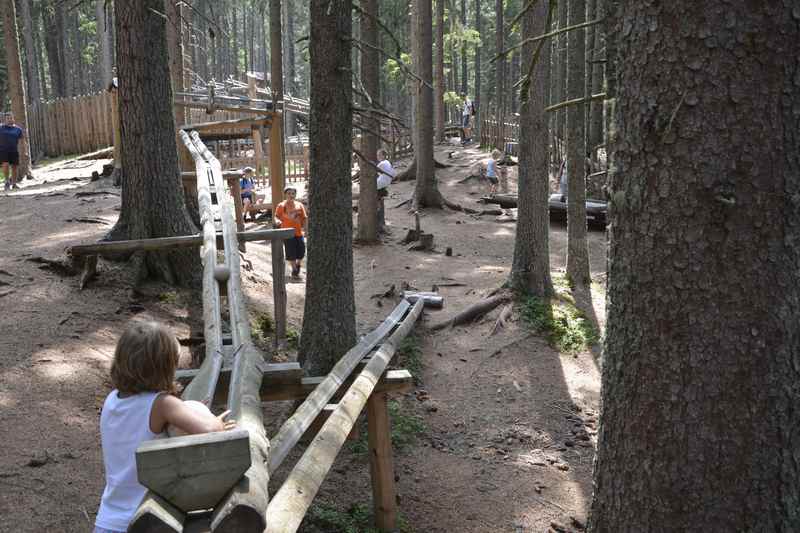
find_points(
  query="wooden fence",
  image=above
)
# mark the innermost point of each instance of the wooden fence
(70, 125)
(491, 133)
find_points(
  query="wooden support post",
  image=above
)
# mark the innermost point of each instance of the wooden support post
(258, 146)
(276, 165)
(279, 291)
(381, 464)
(238, 206)
(117, 134)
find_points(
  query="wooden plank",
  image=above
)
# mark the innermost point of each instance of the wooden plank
(290, 503)
(291, 430)
(217, 125)
(381, 464)
(207, 465)
(272, 374)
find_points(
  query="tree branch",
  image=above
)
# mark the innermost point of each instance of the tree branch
(544, 36)
(575, 101)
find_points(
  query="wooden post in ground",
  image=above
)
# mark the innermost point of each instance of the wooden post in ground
(117, 134)
(279, 290)
(276, 165)
(258, 146)
(381, 463)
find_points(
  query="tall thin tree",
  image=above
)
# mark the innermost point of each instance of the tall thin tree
(329, 325)
(438, 74)
(577, 247)
(700, 379)
(426, 191)
(530, 267)
(500, 74)
(476, 99)
(16, 84)
(370, 72)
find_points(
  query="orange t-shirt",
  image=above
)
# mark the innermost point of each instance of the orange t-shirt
(292, 215)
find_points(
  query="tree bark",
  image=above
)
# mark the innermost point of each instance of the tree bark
(16, 85)
(700, 380)
(152, 194)
(562, 62)
(464, 48)
(275, 50)
(530, 268)
(577, 247)
(329, 327)
(476, 100)
(370, 72)
(426, 191)
(500, 73)
(104, 39)
(289, 69)
(438, 74)
(174, 12)
(31, 66)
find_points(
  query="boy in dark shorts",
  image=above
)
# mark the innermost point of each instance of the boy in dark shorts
(10, 134)
(292, 214)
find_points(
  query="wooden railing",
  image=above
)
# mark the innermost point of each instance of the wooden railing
(508, 133)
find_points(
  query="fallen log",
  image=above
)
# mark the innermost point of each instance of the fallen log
(474, 311)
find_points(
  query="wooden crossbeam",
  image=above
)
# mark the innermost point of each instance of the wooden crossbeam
(182, 241)
(217, 125)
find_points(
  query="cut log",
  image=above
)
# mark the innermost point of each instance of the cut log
(504, 200)
(431, 299)
(474, 311)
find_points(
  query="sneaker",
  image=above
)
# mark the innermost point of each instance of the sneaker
(295, 272)
(15, 186)
(7, 186)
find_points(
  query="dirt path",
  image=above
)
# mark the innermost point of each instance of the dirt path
(498, 451)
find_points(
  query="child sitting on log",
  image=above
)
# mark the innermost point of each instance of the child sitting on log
(141, 407)
(249, 195)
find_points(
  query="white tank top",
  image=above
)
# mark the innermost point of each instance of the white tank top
(124, 424)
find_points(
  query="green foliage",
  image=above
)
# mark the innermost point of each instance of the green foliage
(292, 338)
(405, 430)
(357, 519)
(452, 98)
(410, 356)
(169, 297)
(393, 69)
(566, 328)
(262, 324)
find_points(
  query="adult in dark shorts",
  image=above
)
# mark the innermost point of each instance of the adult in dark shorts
(292, 214)
(10, 134)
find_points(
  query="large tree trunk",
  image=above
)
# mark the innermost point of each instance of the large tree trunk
(500, 74)
(476, 100)
(701, 381)
(16, 85)
(174, 12)
(152, 195)
(104, 38)
(438, 74)
(329, 326)
(275, 50)
(54, 29)
(289, 68)
(530, 268)
(577, 248)
(426, 192)
(370, 71)
(31, 66)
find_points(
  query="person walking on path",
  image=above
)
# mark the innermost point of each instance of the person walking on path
(466, 117)
(10, 134)
(384, 180)
(292, 214)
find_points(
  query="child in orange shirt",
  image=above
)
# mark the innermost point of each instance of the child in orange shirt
(292, 214)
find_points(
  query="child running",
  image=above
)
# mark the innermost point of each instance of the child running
(140, 408)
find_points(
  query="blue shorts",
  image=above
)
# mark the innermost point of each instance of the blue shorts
(12, 158)
(465, 121)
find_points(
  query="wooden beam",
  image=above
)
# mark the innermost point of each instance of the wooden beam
(247, 122)
(276, 162)
(291, 430)
(181, 241)
(222, 107)
(156, 515)
(290, 503)
(207, 465)
(259, 155)
(431, 299)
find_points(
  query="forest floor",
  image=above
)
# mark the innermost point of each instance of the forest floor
(490, 439)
